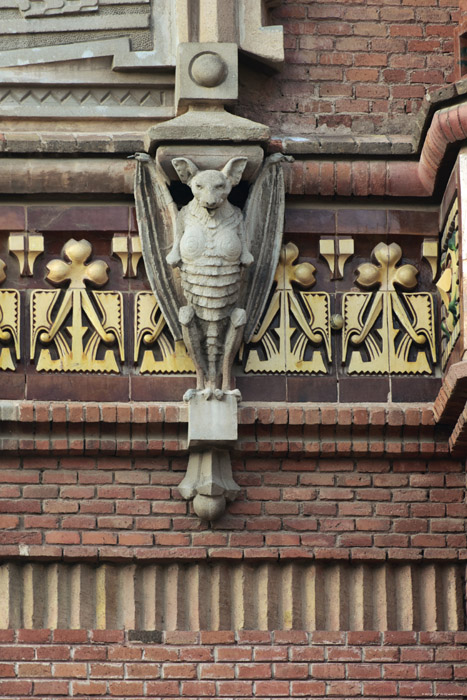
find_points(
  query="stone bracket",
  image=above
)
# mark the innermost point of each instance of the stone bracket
(212, 426)
(209, 482)
(212, 421)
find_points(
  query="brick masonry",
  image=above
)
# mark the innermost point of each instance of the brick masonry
(347, 493)
(356, 68)
(295, 430)
(371, 665)
(109, 509)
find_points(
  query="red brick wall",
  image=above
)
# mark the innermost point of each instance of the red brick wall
(359, 67)
(372, 665)
(109, 507)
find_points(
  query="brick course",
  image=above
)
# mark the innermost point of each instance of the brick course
(371, 665)
(109, 507)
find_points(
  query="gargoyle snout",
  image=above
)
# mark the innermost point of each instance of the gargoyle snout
(210, 201)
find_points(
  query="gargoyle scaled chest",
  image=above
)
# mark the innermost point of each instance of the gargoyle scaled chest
(211, 249)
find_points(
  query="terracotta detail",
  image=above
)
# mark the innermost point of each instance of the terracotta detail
(305, 430)
(309, 595)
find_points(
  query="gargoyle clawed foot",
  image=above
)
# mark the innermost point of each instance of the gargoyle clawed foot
(220, 393)
(208, 393)
(234, 392)
(188, 395)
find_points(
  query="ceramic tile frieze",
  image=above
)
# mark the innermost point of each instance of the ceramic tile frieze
(448, 284)
(159, 352)
(88, 309)
(128, 250)
(72, 329)
(9, 324)
(295, 333)
(336, 252)
(388, 330)
(26, 247)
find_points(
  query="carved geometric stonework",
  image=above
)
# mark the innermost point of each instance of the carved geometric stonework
(448, 285)
(206, 72)
(137, 33)
(391, 331)
(77, 323)
(36, 23)
(60, 59)
(42, 8)
(209, 482)
(94, 55)
(26, 247)
(9, 324)
(295, 332)
(163, 353)
(85, 101)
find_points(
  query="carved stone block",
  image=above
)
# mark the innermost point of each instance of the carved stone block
(206, 72)
(212, 421)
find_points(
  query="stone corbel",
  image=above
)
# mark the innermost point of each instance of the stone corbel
(212, 427)
(209, 482)
(212, 308)
(210, 264)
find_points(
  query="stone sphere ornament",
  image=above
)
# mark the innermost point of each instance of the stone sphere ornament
(208, 69)
(208, 507)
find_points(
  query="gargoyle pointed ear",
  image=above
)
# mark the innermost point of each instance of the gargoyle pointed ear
(233, 170)
(185, 169)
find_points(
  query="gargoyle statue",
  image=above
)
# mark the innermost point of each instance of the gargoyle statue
(226, 258)
(211, 267)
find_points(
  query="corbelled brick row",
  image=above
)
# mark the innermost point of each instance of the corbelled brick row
(287, 429)
(105, 508)
(371, 665)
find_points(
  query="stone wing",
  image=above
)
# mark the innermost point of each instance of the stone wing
(264, 224)
(156, 213)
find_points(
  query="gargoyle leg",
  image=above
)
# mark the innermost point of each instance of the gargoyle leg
(192, 340)
(233, 341)
(213, 332)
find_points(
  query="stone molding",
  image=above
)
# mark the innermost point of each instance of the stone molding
(351, 177)
(87, 101)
